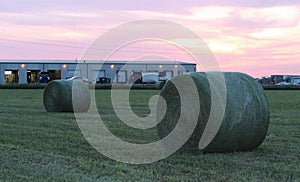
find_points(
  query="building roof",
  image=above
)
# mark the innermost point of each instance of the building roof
(8, 61)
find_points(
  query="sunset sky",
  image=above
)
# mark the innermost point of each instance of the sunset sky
(256, 37)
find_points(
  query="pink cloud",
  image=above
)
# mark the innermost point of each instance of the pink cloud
(258, 38)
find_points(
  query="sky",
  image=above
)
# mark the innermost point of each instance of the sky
(259, 38)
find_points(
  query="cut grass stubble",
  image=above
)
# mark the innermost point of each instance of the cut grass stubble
(35, 144)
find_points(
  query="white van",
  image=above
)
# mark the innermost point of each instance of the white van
(152, 78)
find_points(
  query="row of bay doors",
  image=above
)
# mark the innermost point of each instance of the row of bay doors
(121, 75)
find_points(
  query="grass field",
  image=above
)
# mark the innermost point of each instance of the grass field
(36, 145)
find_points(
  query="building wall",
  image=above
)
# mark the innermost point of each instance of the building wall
(92, 70)
(2, 76)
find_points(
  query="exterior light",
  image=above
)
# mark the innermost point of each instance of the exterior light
(64, 66)
(175, 65)
(112, 66)
(160, 66)
(23, 66)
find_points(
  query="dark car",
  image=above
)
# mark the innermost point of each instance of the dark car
(44, 77)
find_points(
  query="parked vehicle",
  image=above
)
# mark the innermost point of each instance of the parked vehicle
(85, 80)
(136, 78)
(44, 77)
(103, 80)
(283, 83)
(163, 78)
(152, 78)
(295, 81)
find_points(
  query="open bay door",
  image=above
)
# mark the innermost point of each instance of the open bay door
(97, 74)
(169, 74)
(121, 76)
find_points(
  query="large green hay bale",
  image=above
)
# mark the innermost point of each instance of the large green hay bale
(245, 122)
(67, 96)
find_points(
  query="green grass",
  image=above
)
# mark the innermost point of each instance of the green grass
(36, 145)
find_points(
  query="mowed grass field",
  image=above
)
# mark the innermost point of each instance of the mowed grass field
(36, 145)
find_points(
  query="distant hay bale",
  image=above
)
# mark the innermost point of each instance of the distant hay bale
(59, 96)
(244, 125)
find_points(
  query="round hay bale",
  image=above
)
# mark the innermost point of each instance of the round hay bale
(67, 96)
(246, 118)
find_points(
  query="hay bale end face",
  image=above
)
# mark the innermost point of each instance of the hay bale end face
(245, 122)
(66, 96)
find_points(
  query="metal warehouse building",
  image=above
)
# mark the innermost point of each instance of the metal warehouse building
(27, 71)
